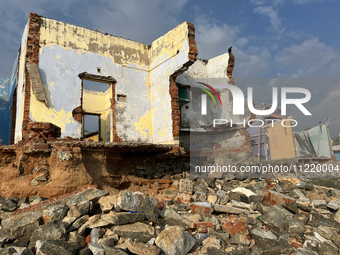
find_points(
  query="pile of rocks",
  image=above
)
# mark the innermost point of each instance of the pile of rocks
(203, 216)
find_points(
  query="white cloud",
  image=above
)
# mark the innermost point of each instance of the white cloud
(311, 58)
(301, 2)
(274, 18)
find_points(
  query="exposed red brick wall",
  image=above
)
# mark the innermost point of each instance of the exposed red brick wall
(40, 131)
(230, 68)
(77, 113)
(116, 138)
(175, 114)
(32, 56)
(14, 115)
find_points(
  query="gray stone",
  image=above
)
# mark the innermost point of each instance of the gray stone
(71, 216)
(239, 239)
(41, 178)
(169, 213)
(122, 218)
(97, 249)
(78, 223)
(7, 205)
(285, 212)
(113, 251)
(185, 186)
(292, 207)
(59, 247)
(85, 251)
(24, 205)
(316, 219)
(53, 230)
(336, 240)
(107, 241)
(334, 204)
(57, 212)
(142, 249)
(238, 250)
(23, 200)
(36, 199)
(273, 219)
(106, 203)
(337, 216)
(34, 182)
(201, 188)
(128, 201)
(175, 241)
(326, 249)
(222, 235)
(266, 234)
(96, 195)
(238, 204)
(22, 228)
(139, 231)
(294, 226)
(303, 251)
(273, 247)
(229, 209)
(81, 203)
(3, 240)
(325, 232)
(148, 207)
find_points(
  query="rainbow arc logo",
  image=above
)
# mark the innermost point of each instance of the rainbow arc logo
(208, 92)
(204, 97)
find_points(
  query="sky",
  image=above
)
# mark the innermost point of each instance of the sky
(286, 42)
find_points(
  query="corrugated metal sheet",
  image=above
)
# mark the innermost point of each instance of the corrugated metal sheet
(308, 145)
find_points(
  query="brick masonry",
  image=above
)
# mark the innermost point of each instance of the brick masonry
(176, 116)
(77, 113)
(116, 138)
(14, 114)
(230, 68)
(32, 56)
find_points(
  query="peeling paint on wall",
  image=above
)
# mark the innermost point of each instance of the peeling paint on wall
(21, 87)
(142, 73)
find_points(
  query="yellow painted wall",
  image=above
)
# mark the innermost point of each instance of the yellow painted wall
(99, 103)
(281, 141)
(142, 73)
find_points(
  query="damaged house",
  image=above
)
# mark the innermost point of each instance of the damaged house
(90, 85)
(71, 84)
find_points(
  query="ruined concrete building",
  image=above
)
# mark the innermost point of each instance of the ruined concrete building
(75, 82)
(133, 92)
(72, 84)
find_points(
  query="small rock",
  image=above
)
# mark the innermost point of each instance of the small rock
(325, 232)
(175, 241)
(40, 177)
(128, 201)
(273, 219)
(34, 182)
(7, 205)
(71, 216)
(239, 239)
(142, 249)
(140, 231)
(185, 186)
(81, 203)
(58, 247)
(53, 230)
(334, 204)
(57, 212)
(106, 203)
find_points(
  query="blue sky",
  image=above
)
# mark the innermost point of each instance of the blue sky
(270, 38)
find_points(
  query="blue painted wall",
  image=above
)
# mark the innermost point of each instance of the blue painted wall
(7, 87)
(337, 156)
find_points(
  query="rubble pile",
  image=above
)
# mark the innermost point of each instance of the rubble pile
(182, 216)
